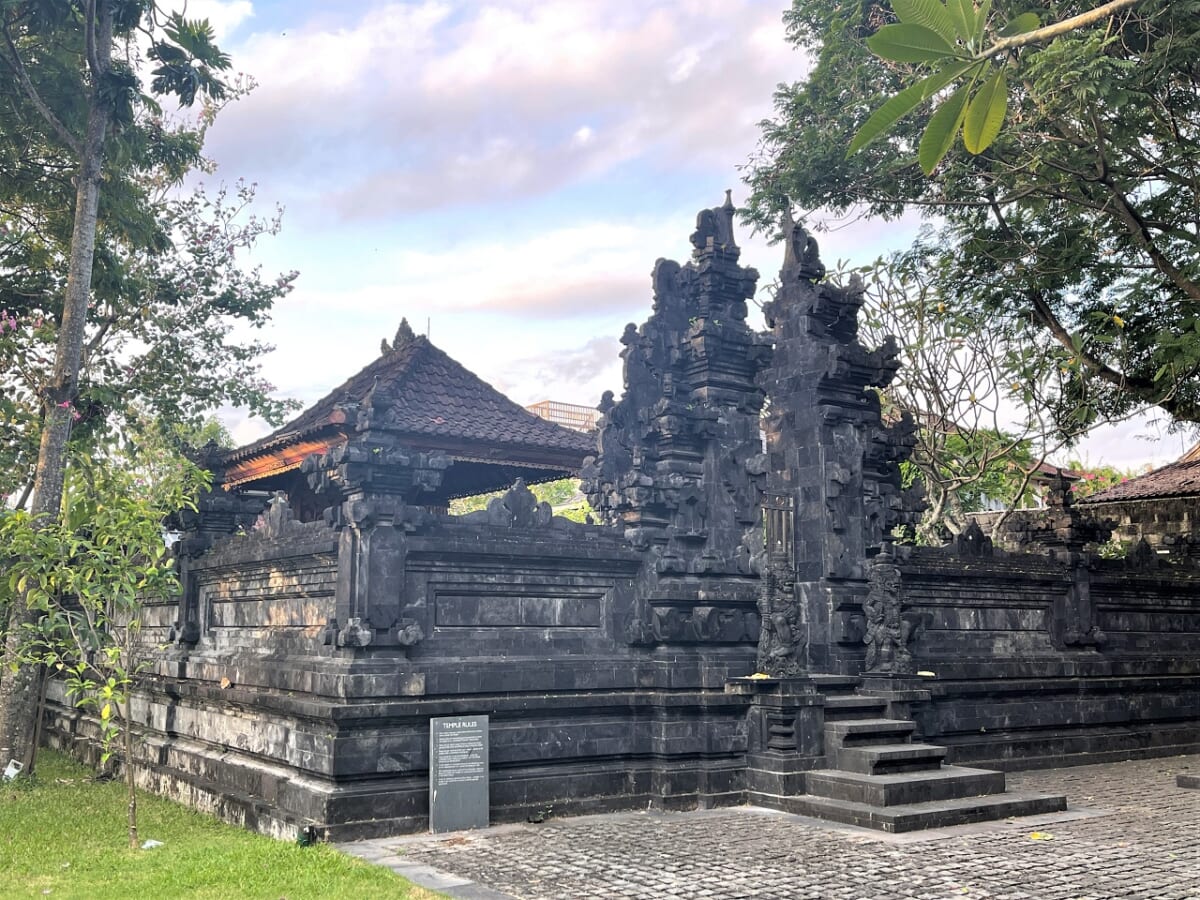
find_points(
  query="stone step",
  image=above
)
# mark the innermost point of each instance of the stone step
(863, 732)
(918, 816)
(905, 788)
(850, 706)
(1188, 781)
(887, 759)
(836, 684)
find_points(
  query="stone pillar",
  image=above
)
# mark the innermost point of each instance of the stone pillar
(218, 515)
(785, 734)
(680, 466)
(829, 450)
(378, 482)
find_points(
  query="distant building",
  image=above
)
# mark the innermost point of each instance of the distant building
(1160, 506)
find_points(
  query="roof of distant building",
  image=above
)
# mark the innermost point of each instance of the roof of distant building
(569, 415)
(1179, 479)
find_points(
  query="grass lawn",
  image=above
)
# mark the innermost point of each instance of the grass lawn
(64, 836)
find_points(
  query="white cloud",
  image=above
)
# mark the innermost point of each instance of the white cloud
(1143, 440)
(223, 15)
(434, 104)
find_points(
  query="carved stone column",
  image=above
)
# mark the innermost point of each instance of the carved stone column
(378, 483)
(680, 466)
(830, 451)
(218, 514)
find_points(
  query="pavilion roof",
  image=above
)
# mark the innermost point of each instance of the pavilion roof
(432, 403)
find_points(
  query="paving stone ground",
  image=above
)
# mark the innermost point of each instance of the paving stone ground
(1130, 833)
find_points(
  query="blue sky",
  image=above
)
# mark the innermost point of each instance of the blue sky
(507, 171)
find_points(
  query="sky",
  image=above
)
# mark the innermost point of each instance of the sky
(504, 174)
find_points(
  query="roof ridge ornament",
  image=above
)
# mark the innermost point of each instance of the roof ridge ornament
(404, 334)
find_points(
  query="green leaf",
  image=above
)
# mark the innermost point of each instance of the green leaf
(962, 13)
(943, 126)
(903, 103)
(910, 43)
(981, 17)
(930, 13)
(985, 114)
(1021, 24)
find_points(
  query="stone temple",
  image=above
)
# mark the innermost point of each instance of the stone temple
(738, 628)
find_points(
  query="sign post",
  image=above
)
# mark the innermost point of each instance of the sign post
(458, 773)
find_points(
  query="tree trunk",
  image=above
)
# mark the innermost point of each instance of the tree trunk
(127, 715)
(19, 692)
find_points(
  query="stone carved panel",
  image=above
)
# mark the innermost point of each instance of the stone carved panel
(781, 638)
(516, 508)
(374, 465)
(889, 627)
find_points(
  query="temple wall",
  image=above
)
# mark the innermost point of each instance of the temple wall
(265, 720)
(1165, 524)
(1168, 525)
(1021, 679)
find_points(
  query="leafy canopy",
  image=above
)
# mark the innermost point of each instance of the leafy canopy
(173, 308)
(1081, 216)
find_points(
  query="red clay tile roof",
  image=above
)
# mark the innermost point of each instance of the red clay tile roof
(435, 398)
(1179, 479)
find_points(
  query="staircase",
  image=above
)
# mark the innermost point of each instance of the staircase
(880, 778)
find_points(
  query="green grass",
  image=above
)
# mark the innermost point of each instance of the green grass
(64, 836)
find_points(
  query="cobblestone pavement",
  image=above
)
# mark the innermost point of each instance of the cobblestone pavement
(1130, 833)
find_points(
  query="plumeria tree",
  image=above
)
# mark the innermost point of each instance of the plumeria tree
(986, 396)
(1077, 210)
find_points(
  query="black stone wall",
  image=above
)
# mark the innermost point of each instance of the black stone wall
(1040, 662)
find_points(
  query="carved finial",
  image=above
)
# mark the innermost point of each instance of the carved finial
(404, 334)
(727, 213)
(802, 257)
(714, 227)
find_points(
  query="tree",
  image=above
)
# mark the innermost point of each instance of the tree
(159, 340)
(1093, 479)
(71, 80)
(88, 574)
(1080, 218)
(951, 37)
(982, 392)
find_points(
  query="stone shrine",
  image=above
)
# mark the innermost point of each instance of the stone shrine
(739, 628)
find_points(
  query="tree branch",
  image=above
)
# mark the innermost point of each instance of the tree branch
(1136, 226)
(13, 58)
(89, 15)
(1048, 32)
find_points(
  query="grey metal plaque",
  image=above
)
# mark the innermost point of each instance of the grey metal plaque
(458, 773)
